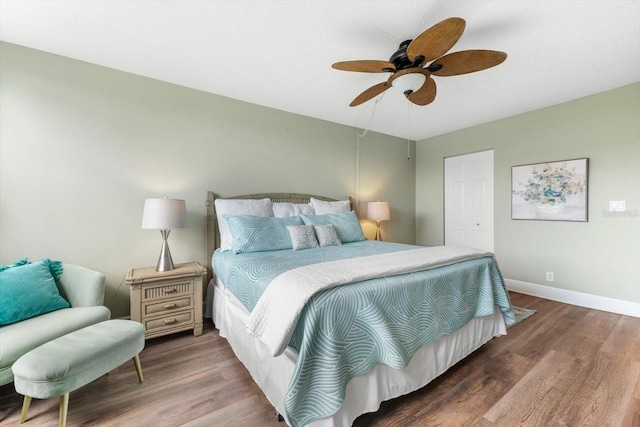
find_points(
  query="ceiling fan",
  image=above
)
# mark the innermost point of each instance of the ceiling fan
(415, 61)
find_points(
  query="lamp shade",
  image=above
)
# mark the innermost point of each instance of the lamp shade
(409, 82)
(164, 214)
(378, 211)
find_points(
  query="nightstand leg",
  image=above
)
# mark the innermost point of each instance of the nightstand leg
(197, 329)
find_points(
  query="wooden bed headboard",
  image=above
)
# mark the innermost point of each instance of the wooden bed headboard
(211, 229)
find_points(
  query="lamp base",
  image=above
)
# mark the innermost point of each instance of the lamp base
(378, 235)
(165, 263)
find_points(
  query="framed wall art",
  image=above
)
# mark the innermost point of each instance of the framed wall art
(550, 191)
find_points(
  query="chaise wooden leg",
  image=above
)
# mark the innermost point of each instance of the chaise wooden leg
(136, 361)
(64, 407)
(25, 408)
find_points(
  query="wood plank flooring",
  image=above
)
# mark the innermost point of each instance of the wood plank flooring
(564, 366)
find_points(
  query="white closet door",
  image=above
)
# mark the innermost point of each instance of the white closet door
(468, 200)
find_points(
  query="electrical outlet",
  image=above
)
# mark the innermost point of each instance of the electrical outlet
(549, 276)
(617, 205)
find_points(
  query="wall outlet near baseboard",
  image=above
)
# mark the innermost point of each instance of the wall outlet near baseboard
(549, 276)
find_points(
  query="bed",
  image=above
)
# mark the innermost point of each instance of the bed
(331, 330)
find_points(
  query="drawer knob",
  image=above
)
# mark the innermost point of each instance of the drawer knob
(170, 321)
(169, 306)
(170, 291)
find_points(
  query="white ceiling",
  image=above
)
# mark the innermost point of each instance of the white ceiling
(279, 53)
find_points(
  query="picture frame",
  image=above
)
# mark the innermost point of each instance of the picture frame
(550, 191)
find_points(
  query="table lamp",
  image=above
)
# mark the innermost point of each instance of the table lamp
(164, 215)
(378, 211)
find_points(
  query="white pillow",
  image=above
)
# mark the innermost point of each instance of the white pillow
(283, 209)
(321, 207)
(302, 237)
(261, 207)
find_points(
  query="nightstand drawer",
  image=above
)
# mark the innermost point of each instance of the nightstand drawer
(183, 318)
(167, 306)
(167, 290)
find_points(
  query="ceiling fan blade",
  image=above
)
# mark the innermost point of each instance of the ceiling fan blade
(467, 61)
(372, 92)
(425, 95)
(365, 66)
(434, 42)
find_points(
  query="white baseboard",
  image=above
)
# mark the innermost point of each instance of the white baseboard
(612, 305)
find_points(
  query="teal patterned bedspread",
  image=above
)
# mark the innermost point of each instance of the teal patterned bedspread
(345, 331)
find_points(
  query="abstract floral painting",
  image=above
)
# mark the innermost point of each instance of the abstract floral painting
(552, 191)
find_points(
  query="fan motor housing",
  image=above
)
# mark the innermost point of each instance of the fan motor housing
(400, 58)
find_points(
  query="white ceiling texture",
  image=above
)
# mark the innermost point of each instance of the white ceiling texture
(279, 53)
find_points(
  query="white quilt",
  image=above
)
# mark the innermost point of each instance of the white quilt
(275, 316)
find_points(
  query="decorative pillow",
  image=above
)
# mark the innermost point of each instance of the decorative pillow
(327, 235)
(259, 234)
(261, 207)
(346, 224)
(23, 261)
(29, 290)
(302, 237)
(321, 207)
(282, 210)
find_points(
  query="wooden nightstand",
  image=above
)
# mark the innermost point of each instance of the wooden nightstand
(167, 302)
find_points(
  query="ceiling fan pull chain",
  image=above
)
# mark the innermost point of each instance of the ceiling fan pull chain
(373, 112)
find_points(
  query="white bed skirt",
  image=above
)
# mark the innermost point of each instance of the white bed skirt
(365, 392)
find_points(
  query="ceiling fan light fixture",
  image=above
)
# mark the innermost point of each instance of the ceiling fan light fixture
(415, 61)
(410, 82)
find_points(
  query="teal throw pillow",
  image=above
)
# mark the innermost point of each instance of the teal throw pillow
(23, 261)
(29, 290)
(260, 233)
(346, 224)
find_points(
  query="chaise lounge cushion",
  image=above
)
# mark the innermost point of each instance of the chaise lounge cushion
(73, 360)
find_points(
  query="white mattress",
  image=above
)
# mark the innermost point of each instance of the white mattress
(365, 392)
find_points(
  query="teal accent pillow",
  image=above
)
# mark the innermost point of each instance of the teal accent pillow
(260, 233)
(23, 261)
(346, 224)
(30, 290)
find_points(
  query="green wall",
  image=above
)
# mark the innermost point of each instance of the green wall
(82, 146)
(599, 257)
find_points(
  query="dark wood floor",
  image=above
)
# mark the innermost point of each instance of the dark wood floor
(564, 366)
